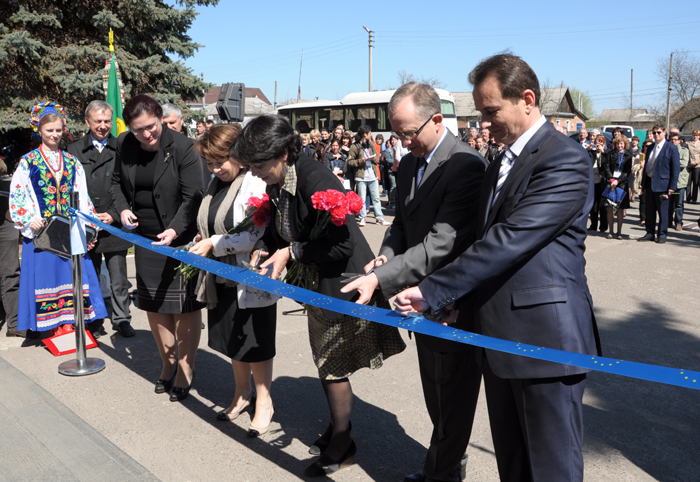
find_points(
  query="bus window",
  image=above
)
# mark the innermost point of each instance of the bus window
(337, 118)
(447, 108)
(302, 120)
(363, 115)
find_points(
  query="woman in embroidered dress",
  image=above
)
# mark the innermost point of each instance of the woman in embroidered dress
(41, 187)
(340, 344)
(242, 320)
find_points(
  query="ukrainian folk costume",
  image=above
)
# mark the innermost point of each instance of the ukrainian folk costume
(41, 187)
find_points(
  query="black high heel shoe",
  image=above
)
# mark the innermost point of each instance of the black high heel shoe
(324, 465)
(163, 386)
(320, 445)
(178, 394)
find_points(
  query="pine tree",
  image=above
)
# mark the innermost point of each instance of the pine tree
(56, 51)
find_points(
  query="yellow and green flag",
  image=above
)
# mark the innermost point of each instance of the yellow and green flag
(114, 91)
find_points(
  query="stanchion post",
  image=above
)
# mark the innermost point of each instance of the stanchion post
(81, 365)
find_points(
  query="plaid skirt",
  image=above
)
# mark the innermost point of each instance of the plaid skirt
(343, 346)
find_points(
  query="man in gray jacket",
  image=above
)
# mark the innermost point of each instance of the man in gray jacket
(438, 185)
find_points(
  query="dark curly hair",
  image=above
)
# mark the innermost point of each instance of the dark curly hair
(264, 138)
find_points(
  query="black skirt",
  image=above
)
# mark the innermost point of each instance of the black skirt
(243, 335)
(157, 287)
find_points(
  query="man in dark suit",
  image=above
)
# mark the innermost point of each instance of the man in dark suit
(438, 186)
(526, 268)
(96, 151)
(660, 181)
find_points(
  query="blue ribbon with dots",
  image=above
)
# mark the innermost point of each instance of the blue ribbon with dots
(418, 324)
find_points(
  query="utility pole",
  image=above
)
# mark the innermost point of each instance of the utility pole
(275, 105)
(632, 94)
(204, 95)
(668, 99)
(300, 64)
(371, 41)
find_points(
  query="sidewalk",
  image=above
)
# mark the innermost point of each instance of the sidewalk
(42, 440)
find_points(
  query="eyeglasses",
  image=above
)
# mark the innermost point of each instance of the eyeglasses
(656, 133)
(412, 134)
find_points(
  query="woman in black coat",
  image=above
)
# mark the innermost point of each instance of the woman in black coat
(157, 189)
(340, 344)
(336, 160)
(617, 168)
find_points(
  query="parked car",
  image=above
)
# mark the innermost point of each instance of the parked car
(628, 131)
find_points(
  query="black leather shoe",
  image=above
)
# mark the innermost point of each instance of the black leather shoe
(163, 386)
(417, 477)
(125, 329)
(320, 445)
(646, 238)
(178, 394)
(16, 332)
(325, 465)
(661, 240)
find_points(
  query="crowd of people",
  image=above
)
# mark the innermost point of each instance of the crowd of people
(619, 164)
(476, 240)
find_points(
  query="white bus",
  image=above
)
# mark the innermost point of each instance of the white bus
(356, 109)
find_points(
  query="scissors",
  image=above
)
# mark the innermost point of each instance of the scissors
(252, 267)
(350, 277)
(437, 318)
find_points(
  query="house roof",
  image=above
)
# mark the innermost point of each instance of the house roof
(620, 116)
(250, 92)
(464, 105)
(553, 101)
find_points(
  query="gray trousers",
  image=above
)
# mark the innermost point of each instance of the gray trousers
(9, 270)
(116, 266)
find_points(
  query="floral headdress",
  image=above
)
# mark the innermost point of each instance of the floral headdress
(43, 108)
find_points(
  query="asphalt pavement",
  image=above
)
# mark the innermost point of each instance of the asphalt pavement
(111, 426)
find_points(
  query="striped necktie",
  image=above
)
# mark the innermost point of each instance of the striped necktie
(506, 165)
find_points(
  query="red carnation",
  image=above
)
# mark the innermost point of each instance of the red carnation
(338, 215)
(355, 203)
(261, 217)
(318, 200)
(258, 202)
(334, 199)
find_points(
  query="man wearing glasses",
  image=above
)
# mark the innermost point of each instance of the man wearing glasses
(660, 182)
(437, 194)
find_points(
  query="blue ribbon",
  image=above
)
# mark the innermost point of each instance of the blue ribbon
(418, 324)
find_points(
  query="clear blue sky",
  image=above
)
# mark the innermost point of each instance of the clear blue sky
(590, 46)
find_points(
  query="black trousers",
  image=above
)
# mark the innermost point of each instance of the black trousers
(598, 210)
(119, 286)
(9, 270)
(691, 193)
(537, 427)
(451, 382)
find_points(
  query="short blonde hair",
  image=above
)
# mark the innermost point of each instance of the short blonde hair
(696, 132)
(315, 133)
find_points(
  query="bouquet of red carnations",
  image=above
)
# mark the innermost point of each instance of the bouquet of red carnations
(332, 207)
(258, 216)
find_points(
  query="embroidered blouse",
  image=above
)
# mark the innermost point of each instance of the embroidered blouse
(41, 186)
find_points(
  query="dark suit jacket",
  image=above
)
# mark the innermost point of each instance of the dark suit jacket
(434, 223)
(527, 264)
(177, 190)
(342, 250)
(666, 168)
(99, 170)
